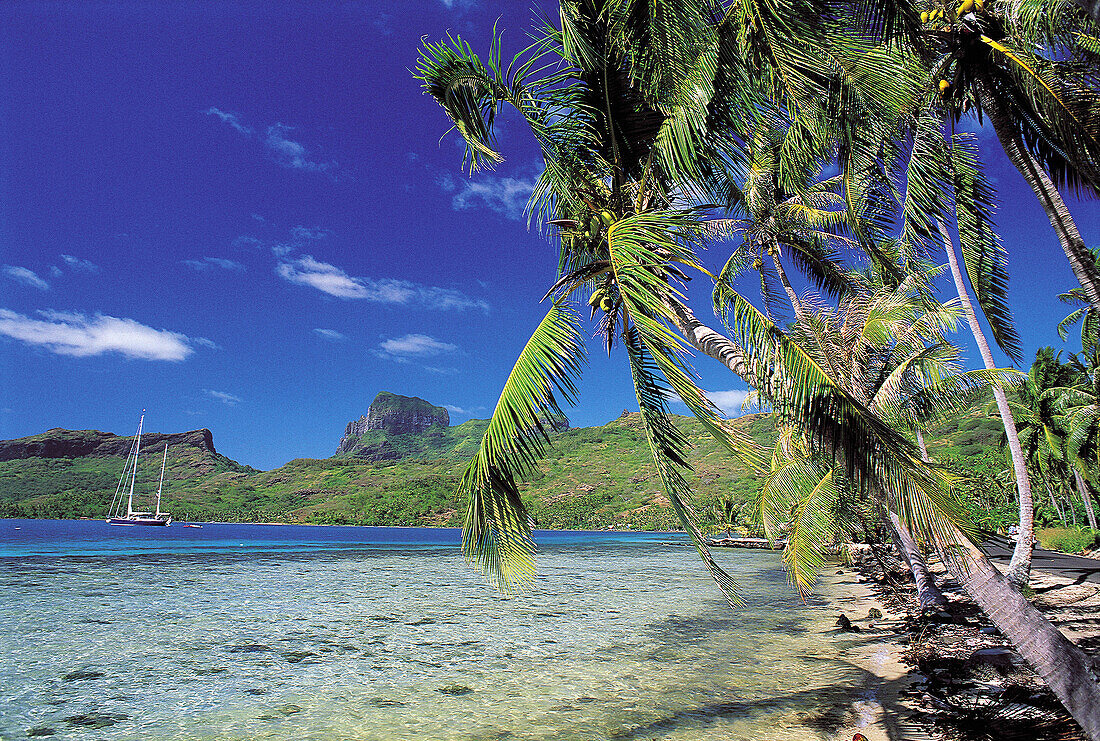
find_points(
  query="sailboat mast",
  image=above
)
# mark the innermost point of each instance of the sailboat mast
(160, 486)
(133, 475)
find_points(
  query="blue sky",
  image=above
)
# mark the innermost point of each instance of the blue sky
(242, 216)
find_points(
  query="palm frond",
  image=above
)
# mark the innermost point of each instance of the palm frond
(812, 527)
(497, 535)
(668, 446)
(874, 454)
(458, 80)
(983, 253)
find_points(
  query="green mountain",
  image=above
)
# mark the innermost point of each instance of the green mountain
(591, 477)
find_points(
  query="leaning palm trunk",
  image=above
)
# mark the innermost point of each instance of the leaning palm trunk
(1054, 502)
(1083, 490)
(928, 594)
(796, 304)
(1062, 665)
(1019, 569)
(1080, 260)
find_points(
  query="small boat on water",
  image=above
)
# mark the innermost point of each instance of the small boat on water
(132, 517)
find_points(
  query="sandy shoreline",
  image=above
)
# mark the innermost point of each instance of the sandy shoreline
(874, 650)
(916, 670)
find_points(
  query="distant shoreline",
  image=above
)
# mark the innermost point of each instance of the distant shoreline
(323, 524)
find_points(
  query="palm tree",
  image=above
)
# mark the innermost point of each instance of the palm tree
(904, 487)
(1080, 407)
(726, 513)
(885, 344)
(641, 112)
(1024, 66)
(1084, 313)
(945, 176)
(1027, 67)
(786, 211)
(1042, 434)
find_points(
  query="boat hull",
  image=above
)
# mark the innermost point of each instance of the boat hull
(139, 521)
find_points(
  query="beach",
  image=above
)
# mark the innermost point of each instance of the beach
(951, 675)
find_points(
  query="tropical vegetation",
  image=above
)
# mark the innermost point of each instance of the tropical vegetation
(661, 124)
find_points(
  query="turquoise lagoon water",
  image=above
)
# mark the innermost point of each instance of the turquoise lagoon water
(288, 632)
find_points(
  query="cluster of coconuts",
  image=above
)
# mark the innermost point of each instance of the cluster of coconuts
(602, 300)
(592, 229)
(938, 14)
(589, 229)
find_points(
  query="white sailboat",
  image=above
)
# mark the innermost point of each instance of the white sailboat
(131, 516)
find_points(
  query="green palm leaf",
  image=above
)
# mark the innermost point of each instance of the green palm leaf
(497, 534)
(983, 254)
(669, 446)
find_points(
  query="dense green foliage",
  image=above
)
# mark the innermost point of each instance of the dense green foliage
(591, 477)
(1068, 539)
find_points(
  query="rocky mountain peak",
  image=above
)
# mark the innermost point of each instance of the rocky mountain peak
(395, 415)
(61, 443)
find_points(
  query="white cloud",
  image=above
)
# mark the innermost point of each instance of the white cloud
(80, 336)
(75, 263)
(246, 241)
(26, 276)
(460, 410)
(304, 233)
(292, 154)
(332, 280)
(507, 196)
(730, 402)
(443, 299)
(216, 262)
(414, 346)
(284, 151)
(223, 397)
(330, 334)
(324, 277)
(230, 118)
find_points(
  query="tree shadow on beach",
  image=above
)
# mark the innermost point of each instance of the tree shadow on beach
(826, 710)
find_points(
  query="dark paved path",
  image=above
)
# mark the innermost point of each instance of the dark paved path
(1078, 568)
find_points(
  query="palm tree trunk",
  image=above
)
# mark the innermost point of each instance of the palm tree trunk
(928, 594)
(1019, 569)
(1080, 259)
(1062, 665)
(1083, 490)
(1054, 502)
(799, 313)
(920, 444)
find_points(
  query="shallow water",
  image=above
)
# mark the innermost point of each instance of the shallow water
(348, 638)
